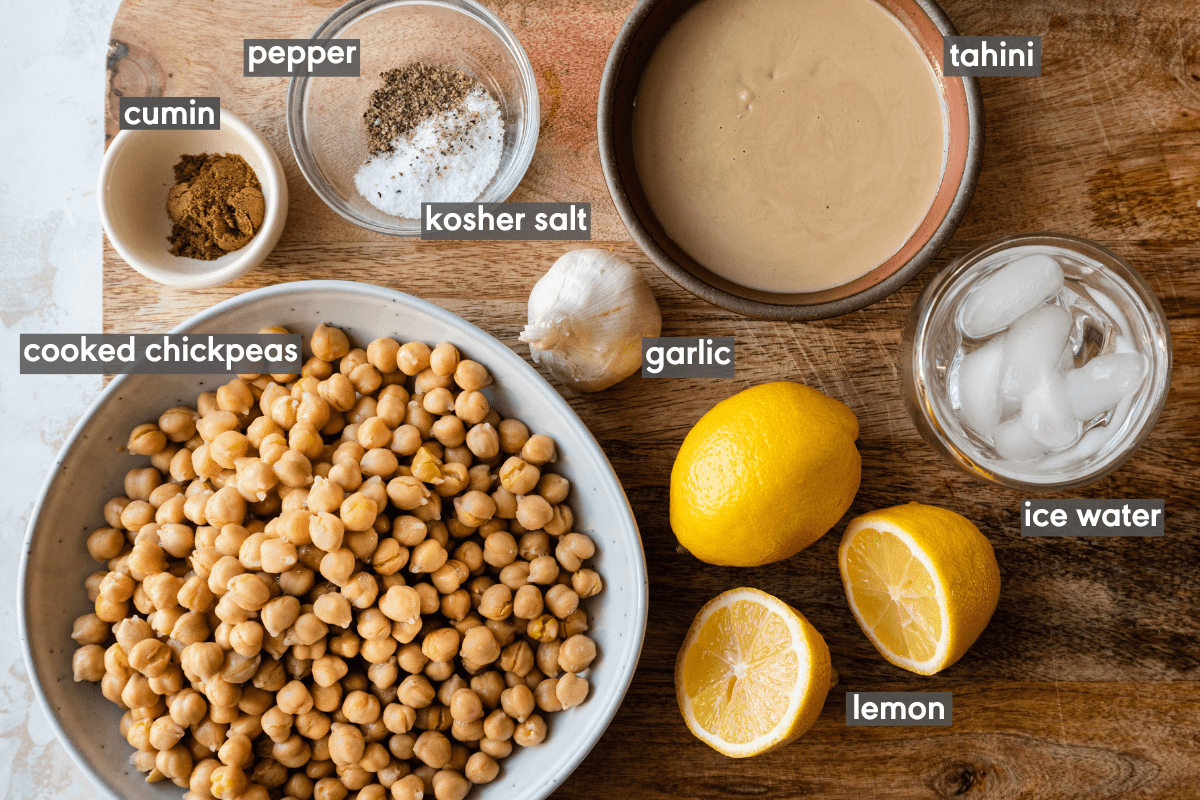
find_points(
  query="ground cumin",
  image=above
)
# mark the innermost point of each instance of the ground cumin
(216, 204)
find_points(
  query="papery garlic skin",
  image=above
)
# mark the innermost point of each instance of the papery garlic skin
(587, 317)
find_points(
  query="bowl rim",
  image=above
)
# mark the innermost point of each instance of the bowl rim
(583, 744)
(249, 256)
(758, 308)
(512, 173)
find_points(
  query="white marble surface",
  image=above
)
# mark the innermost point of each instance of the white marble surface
(52, 134)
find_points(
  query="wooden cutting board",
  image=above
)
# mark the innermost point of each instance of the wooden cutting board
(1083, 684)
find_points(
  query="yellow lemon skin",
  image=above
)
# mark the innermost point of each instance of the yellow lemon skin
(764, 474)
(752, 674)
(951, 558)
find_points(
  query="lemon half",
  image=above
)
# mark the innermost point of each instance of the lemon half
(922, 582)
(752, 674)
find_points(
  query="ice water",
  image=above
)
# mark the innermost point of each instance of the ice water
(1043, 363)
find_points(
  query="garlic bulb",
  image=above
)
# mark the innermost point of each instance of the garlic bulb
(587, 317)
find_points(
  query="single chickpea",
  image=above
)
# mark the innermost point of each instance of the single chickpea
(228, 783)
(137, 692)
(496, 749)
(174, 763)
(543, 570)
(328, 343)
(517, 658)
(577, 653)
(413, 357)
(454, 479)
(528, 603)
(203, 659)
(573, 623)
(539, 449)
(543, 629)
(465, 706)
(450, 785)
(293, 469)
(378, 651)
(530, 732)
(381, 354)
(483, 441)
(146, 440)
(533, 511)
(333, 609)
(427, 557)
(513, 435)
(481, 768)
(246, 638)
(514, 576)
(188, 707)
(389, 558)
(117, 587)
(361, 708)
(545, 695)
(444, 359)
(105, 544)
(517, 702)
(248, 590)
(438, 401)
(450, 433)
(379, 463)
(471, 407)
(497, 602)
(178, 423)
(518, 476)
(294, 698)
(401, 603)
(150, 657)
(432, 748)
(141, 483)
(479, 646)
(410, 787)
(137, 514)
(441, 645)
(89, 629)
(471, 376)
(235, 751)
(562, 601)
(316, 368)
(87, 664)
(338, 566)
(358, 512)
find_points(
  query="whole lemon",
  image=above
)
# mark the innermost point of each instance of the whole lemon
(764, 474)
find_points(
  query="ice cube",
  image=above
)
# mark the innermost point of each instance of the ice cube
(1100, 384)
(1047, 417)
(1009, 293)
(1032, 350)
(1013, 442)
(978, 383)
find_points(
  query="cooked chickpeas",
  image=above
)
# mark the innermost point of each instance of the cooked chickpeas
(264, 552)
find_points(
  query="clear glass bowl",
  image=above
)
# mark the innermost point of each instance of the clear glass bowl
(324, 115)
(931, 348)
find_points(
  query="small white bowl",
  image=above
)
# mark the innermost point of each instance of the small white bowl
(138, 171)
(90, 469)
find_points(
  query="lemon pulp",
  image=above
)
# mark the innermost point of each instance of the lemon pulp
(740, 672)
(895, 594)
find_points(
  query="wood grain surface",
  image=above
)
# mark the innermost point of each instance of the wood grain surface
(1083, 684)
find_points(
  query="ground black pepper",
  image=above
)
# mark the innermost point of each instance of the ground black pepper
(409, 95)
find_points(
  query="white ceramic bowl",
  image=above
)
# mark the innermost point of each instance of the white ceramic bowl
(89, 470)
(138, 171)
